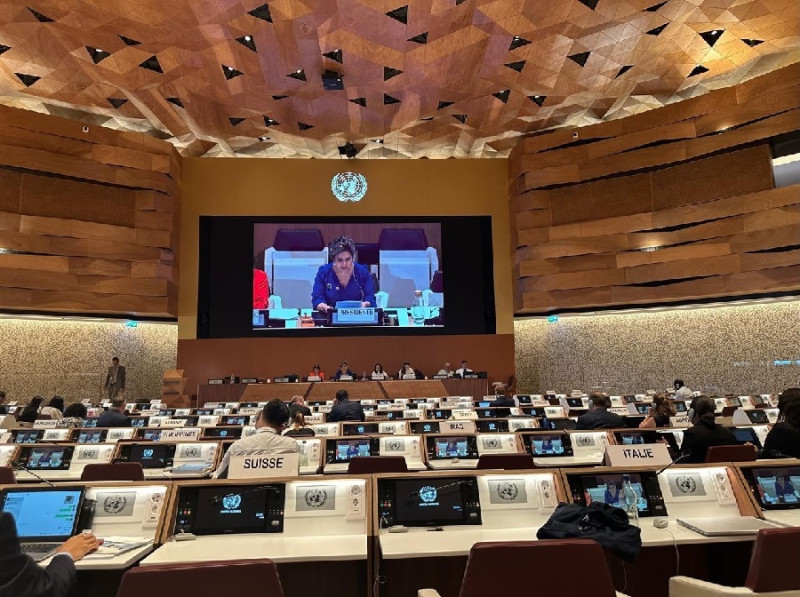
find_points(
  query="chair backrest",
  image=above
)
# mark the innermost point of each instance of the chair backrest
(250, 577)
(7, 476)
(503, 568)
(437, 283)
(118, 471)
(377, 464)
(298, 240)
(771, 568)
(741, 453)
(507, 462)
(403, 239)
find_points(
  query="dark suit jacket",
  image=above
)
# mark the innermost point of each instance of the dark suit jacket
(120, 377)
(595, 419)
(20, 576)
(698, 438)
(113, 418)
(783, 440)
(294, 408)
(502, 401)
(346, 411)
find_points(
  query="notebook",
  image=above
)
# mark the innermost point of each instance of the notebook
(45, 518)
(726, 525)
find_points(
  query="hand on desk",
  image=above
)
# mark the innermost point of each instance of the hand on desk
(80, 545)
(323, 307)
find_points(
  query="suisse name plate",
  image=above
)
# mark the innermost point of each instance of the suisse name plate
(358, 316)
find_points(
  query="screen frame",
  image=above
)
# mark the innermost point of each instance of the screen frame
(225, 277)
(467, 485)
(27, 489)
(752, 481)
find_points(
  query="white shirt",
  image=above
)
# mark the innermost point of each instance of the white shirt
(462, 371)
(264, 441)
(683, 393)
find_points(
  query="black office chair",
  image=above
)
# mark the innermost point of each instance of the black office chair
(362, 465)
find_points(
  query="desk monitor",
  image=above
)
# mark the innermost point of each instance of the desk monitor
(204, 412)
(734, 401)
(342, 450)
(629, 399)
(557, 424)
(191, 420)
(643, 408)
(607, 488)
(486, 413)
(636, 437)
(47, 458)
(680, 406)
(235, 419)
(757, 400)
(757, 416)
(248, 405)
(359, 428)
(420, 427)
(433, 501)
(746, 434)
(90, 422)
(442, 413)
(448, 447)
(775, 487)
(27, 436)
(492, 425)
(543, 445)
(149, 455)
(484, 404)
(575, 402)
(230, 509)
(228, 432)
(139, 422)
(166, 412)
(524, 399)
(91, 436)
(49, 514)
(152, 434)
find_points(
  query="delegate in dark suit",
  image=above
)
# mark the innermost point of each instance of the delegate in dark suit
(346, 411)
(699, 438)
(113, 418)
(599, 419)
(115, 379)
(20, 576)
(503, 406)
(296, 408)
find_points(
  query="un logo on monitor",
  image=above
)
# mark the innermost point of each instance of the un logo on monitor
(428, 494)
(231, 502)
(349, 186)
(148, 453)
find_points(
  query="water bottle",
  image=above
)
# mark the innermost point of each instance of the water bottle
(418, 309)
(631, 501)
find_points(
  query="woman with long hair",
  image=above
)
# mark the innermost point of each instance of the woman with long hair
(298, 427)
(783, 440)
(660, 412)
(704, 432)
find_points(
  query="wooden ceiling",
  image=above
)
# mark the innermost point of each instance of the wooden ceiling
(429, 78)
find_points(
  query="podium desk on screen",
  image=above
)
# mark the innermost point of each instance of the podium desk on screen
(171, 460)
(295, 522)
(467, 507)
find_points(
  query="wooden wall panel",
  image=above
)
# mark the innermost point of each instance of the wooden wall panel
(89, 217)
(676, 204)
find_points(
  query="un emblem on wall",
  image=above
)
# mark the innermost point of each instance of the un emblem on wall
(316, 498)
(685, 484)
(114, 504)
(231, 502)
(507, 491)
(349, 186)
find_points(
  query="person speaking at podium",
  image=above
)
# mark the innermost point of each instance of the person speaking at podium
(343, 279)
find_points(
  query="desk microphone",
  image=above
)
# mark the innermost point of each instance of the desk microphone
(20, 466)
(415, 494)
(680, 458)
(217, 499)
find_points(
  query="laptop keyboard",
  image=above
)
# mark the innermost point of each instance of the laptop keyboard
(38, 551)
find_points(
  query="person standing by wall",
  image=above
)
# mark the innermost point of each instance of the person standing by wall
(115, 379)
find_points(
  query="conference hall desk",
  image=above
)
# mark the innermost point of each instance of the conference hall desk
(322, 549)
(326, 390)
(406, 562)
(123, 509)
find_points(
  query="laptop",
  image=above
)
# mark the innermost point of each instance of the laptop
(45, 518)
(726, 525)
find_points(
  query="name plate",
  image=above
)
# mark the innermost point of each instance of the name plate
(464, 413)
(55, 435)
(772, 415)
(191, 433)
(45, 424)
(115, 435)
(249, 411)
(249, 380)
(649, 455)
(681, 421)
(208, 420)
(462, 426)
(258, 466)
(623, 410)
(314, 378)
(173, 423)
(368, 315)
(449, 404)
(216, 382)
(412, 413)
(554, 412)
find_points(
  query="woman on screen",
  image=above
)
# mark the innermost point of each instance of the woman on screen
(612, 495)
(260, 289)
(343, 279)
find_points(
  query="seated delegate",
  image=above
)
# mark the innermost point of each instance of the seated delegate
(704, 432)
(343, 279)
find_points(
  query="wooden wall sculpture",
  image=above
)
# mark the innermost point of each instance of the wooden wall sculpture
(88, 218)
(419, 78)
(669, 205)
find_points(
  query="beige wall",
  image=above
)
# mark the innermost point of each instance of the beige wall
(235, 186)
(70, 358)
(729, 349)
